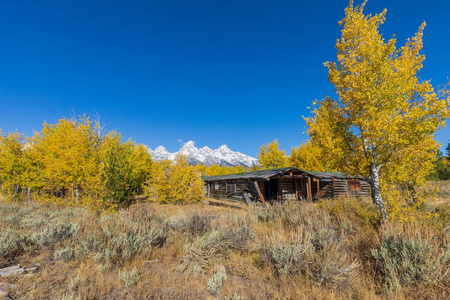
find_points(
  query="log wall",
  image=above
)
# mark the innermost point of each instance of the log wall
(287, 189)
(242, 186)
(341, 188)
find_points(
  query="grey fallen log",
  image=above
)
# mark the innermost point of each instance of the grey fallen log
(14, 270)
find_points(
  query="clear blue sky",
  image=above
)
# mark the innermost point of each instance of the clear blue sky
(230, 72)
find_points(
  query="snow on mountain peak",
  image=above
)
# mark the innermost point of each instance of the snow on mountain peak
(160, 149)
(205, 155)
(189, 145)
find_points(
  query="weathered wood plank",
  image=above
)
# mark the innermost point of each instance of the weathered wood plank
(247, 199)
(309, 189)
(259, 192)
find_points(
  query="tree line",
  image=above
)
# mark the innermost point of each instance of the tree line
(74, 162)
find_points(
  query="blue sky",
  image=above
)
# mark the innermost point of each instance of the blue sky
(240, 73)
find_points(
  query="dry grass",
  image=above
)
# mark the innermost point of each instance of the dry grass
(150, 251)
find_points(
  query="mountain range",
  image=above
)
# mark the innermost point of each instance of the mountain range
(207, 156)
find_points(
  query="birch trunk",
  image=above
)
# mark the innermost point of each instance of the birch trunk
(77, 194)
(16, 191)
(29, 194)
(376, 190)
(413, 194)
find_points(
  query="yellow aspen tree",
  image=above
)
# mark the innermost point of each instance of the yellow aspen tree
(185, 183)
(271, 157)
(238, 169)
(157, 187)
(384, 110)
(223, 170)
(69, 150)
(142, 165)
(11, 163)
(255, 168)
(307, 157)
(33, 175)
(2, 161)
(214, 170)
(201, 168)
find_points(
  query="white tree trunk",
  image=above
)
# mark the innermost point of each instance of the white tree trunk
(29, 194)
(77, 194)
(376, 190)
(16, 191)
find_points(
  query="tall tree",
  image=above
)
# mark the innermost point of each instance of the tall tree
(69, 150)
(271, 157)
(11, 163)
(384, 110)
(307, 156)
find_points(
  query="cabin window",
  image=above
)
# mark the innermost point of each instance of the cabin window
(216, 186)
(354, 185)
(231, 188)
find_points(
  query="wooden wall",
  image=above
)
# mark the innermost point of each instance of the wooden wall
(327, 188)
(242, 186)
(341, 188)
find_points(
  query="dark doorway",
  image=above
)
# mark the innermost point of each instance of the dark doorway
(271, 189)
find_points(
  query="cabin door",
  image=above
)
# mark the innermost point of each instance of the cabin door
(271, 188)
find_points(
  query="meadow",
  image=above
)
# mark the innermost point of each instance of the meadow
(333, 249)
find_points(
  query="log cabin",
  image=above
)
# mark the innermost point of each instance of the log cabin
(284, 184)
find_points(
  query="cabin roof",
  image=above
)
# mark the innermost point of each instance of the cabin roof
(266, 174)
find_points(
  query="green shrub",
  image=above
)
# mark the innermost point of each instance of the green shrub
(361, 211)
(120, 240)
(238, 235)
(194, 225)
(216, 281)
(12, 242)
(290, 214)
(65, 254)
(407, 260)
(200, 254)
(76, 282)
(332, 266)
(67, 296)
(264, 213)
(55, 232)
(129, 277)
(288, 259)
(322, 237)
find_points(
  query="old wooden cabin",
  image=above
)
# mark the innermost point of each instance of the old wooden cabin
(284, 184)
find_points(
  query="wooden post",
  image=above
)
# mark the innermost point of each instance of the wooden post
(209, 189)
(296, 190)
(318, 188)
(309, 189)
(259, 192)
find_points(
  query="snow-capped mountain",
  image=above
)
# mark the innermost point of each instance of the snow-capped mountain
(207, 156)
